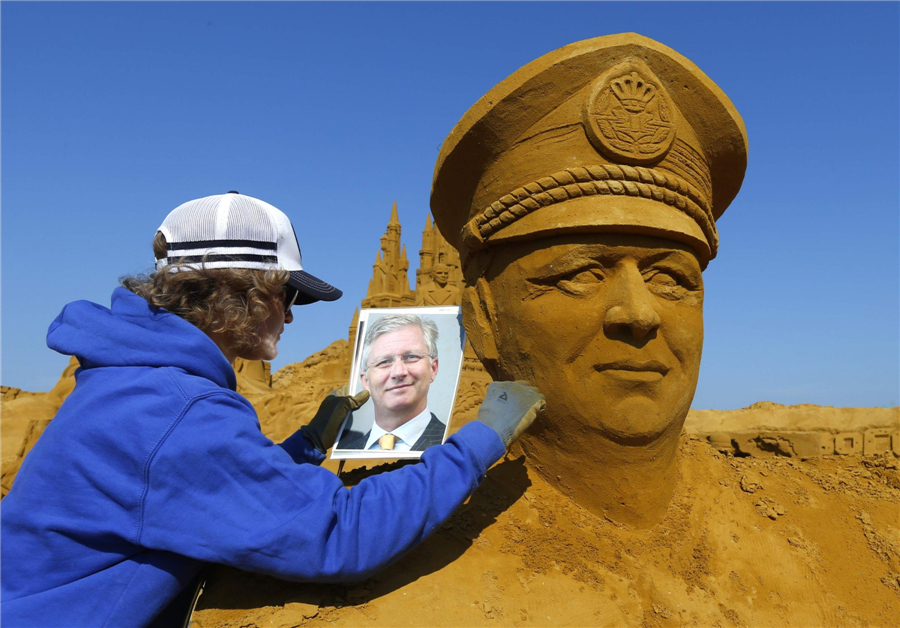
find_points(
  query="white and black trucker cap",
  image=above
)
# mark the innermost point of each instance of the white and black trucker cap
(237, 231)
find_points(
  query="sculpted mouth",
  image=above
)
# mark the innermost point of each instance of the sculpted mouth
(634, 366)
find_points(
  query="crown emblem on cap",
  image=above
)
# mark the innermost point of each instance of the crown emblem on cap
(628, 116)
(633, 92)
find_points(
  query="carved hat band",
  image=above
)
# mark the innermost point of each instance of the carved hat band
(617, 133)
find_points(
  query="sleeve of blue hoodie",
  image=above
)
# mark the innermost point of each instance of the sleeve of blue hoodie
(300, 449)
(219, 491)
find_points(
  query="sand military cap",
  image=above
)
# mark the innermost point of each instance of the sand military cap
(603, 134)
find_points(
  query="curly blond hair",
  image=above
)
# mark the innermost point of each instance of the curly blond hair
(224, 300)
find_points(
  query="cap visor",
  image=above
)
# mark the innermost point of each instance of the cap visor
(311, 288)
(602, 213)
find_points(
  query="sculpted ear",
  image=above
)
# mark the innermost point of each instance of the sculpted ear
(479, 318)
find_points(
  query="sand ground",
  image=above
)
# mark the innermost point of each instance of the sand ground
(745, 542)
(756, 535)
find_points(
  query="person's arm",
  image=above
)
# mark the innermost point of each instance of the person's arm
(219, 491)
(310, 442)
(301, 450)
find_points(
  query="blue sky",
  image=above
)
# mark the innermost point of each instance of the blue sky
(115, 113)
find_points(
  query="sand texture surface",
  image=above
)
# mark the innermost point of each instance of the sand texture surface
(765, 538)
(756, 542)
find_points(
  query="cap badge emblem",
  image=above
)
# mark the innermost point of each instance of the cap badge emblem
(628, 116)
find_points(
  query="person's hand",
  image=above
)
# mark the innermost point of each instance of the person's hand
(509, 408)
(322, 431)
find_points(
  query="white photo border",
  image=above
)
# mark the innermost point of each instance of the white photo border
(355, 386)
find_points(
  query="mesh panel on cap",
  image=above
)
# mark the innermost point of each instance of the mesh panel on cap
(195, 220)
(247, 220)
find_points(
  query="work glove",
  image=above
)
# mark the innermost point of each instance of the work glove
(509, 408)
(322, 431)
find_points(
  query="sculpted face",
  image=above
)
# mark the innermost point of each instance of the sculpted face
(583, 193)
(399, 390)
(608, 326)
(441, 275)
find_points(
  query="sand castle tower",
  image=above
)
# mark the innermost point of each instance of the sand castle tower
(389, 286)
(436, 250)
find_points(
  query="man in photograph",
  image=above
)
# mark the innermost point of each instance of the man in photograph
(399, 362)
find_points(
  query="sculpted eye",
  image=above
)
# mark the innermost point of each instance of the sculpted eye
(673, 283)
(590, 275)
(584, 278)
(660, 278)
(580, 282)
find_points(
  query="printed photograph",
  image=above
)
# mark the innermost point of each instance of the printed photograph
(409, 359)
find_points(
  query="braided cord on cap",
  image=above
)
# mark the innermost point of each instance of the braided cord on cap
(602, 179)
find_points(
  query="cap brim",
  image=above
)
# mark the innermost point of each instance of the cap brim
(619, 214)
(311, 288)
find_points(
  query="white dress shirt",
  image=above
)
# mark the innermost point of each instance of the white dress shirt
(407, 434)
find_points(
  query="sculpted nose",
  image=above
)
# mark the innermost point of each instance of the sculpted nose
(631, 308)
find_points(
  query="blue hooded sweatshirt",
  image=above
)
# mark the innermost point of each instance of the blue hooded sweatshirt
(154, 465)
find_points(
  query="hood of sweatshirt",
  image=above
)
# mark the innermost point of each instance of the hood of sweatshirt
(134, 333)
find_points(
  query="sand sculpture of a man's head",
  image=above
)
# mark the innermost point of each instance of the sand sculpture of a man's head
(440, 274)
(582, 193)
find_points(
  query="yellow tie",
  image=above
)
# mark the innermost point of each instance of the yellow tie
(387, 441)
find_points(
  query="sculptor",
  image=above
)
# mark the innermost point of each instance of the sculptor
(155, 465)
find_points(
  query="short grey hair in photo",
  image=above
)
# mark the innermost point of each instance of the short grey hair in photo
(393, 322)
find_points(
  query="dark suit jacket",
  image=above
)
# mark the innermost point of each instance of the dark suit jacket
(433, 434)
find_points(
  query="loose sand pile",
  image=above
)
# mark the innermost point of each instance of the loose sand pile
(777, 540)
